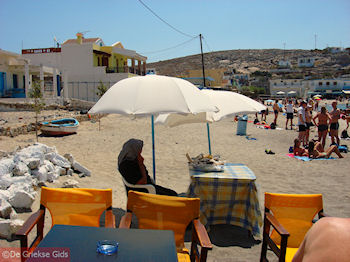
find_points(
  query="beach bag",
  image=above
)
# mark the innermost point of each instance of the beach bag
(343, 148)
(256, 121)
(344, 134)
(273, 126)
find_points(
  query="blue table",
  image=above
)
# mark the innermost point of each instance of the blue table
(134, 244)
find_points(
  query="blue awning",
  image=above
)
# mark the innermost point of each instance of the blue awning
(199, 78)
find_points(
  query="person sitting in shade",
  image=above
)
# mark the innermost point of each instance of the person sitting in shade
(133, 170)
(316, 150)
(299, 151)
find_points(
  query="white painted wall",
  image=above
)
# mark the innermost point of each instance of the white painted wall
(287, 85)
(306, 62)
(47, 59)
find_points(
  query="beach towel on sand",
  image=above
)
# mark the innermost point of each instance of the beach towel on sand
(306, 158)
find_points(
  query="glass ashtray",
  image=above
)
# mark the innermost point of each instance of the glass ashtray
(107, 247)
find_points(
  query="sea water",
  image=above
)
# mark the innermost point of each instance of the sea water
(330, 108)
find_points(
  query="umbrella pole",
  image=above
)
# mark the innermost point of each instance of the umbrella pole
(153, 151)
(208, 131)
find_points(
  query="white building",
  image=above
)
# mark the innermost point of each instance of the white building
(306, 62)
(286, 86)
(284, 64)
(329, 87)
(17, 74)
(306, 88)
(335, 50)
(84, 63)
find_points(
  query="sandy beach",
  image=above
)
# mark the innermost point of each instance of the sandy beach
(98, 150)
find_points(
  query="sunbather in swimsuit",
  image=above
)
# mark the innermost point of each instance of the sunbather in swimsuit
(316, 150)
(297, 150)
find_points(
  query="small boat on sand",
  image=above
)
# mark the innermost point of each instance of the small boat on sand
(59, 127)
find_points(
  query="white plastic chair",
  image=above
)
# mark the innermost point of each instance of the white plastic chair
(149, 187)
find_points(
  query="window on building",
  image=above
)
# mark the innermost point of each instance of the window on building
(319, 83)
(24, 82)
(334, 83)
(274, 84)
(327, 83)
(98, 61)
(308, 60)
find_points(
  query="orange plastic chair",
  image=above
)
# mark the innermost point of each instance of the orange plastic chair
(291, 216)
(68, 206)
(170, 213)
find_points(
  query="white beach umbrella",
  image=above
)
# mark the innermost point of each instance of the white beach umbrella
(152, 95)
(292, 93)
(280, 93)
(228, 103)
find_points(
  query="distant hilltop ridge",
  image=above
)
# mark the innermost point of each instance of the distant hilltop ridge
(250, 60)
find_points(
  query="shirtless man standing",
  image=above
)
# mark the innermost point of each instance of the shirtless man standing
(334, 125)
(322, 125)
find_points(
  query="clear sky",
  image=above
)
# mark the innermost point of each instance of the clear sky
(224, 24)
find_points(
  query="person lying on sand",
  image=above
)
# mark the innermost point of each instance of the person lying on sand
(297, 150)
(316, 150)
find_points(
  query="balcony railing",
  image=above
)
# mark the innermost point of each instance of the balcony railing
(123, 69)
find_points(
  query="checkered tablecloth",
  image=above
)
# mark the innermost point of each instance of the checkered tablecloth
(228, 197)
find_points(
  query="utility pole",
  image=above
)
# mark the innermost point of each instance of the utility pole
(200, 38)
(315, 41)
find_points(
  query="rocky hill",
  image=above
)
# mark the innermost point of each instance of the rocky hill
(250, 60)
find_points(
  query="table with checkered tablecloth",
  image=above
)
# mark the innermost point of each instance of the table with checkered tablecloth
(228, 197)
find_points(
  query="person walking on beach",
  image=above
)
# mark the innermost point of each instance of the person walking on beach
(133, 170)
(322, 125)
(290, 114)
(302, 122)
(275, 108)
(334, 126)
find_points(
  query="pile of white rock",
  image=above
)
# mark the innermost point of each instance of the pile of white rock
(24, 170)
